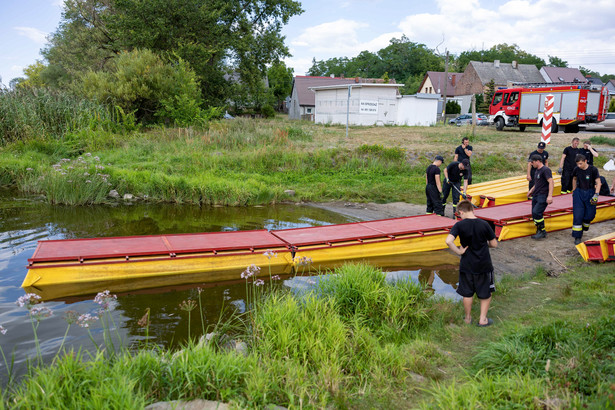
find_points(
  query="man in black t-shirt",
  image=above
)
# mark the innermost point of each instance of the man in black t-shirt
(464, 151)
(589, 152)
(540, 150)
(453, 174)
(585, 190)
(475, 267)
(567, 164)
(542, 195)
(433, 187)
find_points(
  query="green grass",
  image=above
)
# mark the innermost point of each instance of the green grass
(236, 163)
(602, 140)
(358, 341)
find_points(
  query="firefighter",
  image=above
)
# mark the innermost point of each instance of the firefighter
(585, 190)
(433, 187)
(453, 174)
(540, 150)
(589, 152)
(541, 193)
(464, 151)
(567, 164)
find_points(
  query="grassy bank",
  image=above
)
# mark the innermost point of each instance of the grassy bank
(357, 341)
(244, 162)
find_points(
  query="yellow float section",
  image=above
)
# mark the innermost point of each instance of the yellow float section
(582, 248)
(553, 222)
(344, 251)
(53, 280)
(506, 190)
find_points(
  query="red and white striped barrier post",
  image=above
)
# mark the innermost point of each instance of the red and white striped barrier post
(547, 118)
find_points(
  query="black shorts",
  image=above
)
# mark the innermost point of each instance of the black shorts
(481, 284)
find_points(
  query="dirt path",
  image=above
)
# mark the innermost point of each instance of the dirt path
(513, 257)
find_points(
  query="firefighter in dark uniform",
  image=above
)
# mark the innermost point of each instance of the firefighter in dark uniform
(540, 150)
(542, 195)
(585, 190)
(567, 165)
(433, 187)
(589, 152)
(453, 174)
(464, 151)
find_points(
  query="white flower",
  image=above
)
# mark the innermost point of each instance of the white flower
(86, 174)
(40, 312)
(87, 154)
(270, 254)
(250, 271)
(2, 330)
(86, 319)
(104, 299)
(28, 300)
(259, 282)
(29, 169)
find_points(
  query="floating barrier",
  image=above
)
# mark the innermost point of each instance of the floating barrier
(599, 249)
(505, 191)
(73, 267)
(515, 220)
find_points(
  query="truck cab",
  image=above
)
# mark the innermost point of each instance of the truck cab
(504, 108)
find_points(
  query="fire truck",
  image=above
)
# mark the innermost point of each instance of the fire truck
(524, 104)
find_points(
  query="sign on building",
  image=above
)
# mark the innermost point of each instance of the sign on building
(368, 107)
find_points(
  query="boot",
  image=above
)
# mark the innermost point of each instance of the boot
(578, 241)
(539, 234)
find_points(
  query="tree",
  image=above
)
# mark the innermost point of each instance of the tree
(34, 78)
(453, 107)
(485, 99)
(503, 52)
(212, 36)
(557, 62)
(280, 82)
(589, 73)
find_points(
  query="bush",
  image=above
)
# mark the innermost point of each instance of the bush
(141, 82)
(453, 107)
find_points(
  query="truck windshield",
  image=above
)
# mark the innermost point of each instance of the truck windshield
(497, 98)
(512, 97)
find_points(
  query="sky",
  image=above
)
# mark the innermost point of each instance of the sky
(581, 32)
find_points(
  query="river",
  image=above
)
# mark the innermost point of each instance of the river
(24, 220)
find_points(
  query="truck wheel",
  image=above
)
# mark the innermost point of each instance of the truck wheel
(554, 127)
(499, 123)
(521, 128)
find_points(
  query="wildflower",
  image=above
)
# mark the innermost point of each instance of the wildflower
(199, 290)
(65, 160)
(275, 277)
(70, 167)
(85, 320)
(29, 169)
(40, 312)
(88, 154)
(250, 271)
(2, 330)
(104, 299)
(187, 305)
(28, 300)
(311, 282)
(100, 167)
(71, 317)
(63, 173)
(86, 174)
(270, 254)
(259, 282)
(87, 181)
(304, 261)
(96, 158)
(69, 181)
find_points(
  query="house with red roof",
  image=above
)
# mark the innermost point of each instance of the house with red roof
(562, 75)
(433, 83)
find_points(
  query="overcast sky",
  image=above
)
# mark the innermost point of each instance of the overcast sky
(581, 32)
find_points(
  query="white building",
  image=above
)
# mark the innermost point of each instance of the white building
(372, 104)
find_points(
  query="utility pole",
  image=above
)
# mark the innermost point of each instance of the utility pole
(473, 114)
(348, 109)
(445, 84)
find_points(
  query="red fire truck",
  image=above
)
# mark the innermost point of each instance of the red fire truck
(524, 105)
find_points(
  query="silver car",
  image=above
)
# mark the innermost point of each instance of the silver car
(607, 125)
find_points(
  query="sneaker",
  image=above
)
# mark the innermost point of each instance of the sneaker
(539, 235)
(578, 240)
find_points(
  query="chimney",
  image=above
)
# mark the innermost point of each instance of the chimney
(453, 80)
(515, 65)
(496, 63)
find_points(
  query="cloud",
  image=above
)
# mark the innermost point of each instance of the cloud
(330, 37)
(33, 34)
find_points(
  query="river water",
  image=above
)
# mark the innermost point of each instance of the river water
(24, 220)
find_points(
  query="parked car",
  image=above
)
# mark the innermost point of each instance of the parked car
(466, 119)
(607, 125)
